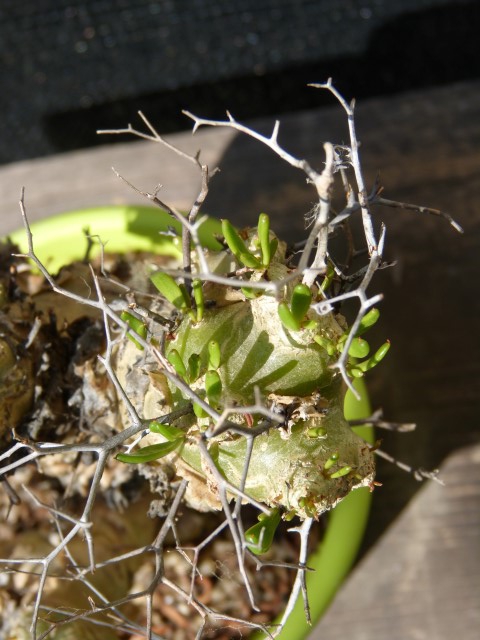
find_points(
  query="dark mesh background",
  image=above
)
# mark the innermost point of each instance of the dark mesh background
(68, 68)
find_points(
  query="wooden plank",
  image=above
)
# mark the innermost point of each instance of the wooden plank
(422, 579)
(80, 179)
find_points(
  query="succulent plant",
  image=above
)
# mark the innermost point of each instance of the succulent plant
(220, 379)
(240, 348)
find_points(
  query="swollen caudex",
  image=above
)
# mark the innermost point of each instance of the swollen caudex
(235, 345)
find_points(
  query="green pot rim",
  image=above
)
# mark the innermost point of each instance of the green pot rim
(58, 239)
(137, 228)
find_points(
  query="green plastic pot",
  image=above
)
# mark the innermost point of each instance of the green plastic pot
(57, 241)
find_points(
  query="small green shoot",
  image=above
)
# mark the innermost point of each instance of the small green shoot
(237, 246)
(293, 316)
(136, 325)
(150, 453)
(177, 363)
(317, 432)
(301, 299)
(250, 293)
(359, 348)
(213, 387)
(198, 297)
(328, 279)
(359, 368)
(168, 431)
(213, 355)
(331, 461)
(329, 346)
(368, 320)
(263, 230)
(259, 538)
(311, 325)
(173, 292)
(340, 473)
(308, 505)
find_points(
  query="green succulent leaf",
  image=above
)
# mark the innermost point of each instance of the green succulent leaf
(249, 260)
(316, 432)
(381, 353)
(198, 297)
(331, 461)
(238, 247)
(137, 325)
(251, 293)
(359, 348)
(233, 240)
(360, 368)
(177, 363)
(173, 292)
(368, 320)
(263, 230)
(168, 431)
(288, 319)
(328, 279)
(327, 344)
(213, 354)
(308, 506)
(213, 387)
(301, 299)
(150, 453)
(259, 538)
(341, 472)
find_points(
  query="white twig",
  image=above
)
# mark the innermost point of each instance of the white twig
(326, 306)
(357, 167)
(299, 585)
(270, 141)
(153, 136)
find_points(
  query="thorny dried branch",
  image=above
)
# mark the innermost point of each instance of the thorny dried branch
(26, 450)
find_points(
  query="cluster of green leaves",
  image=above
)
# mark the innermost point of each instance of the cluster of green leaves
(294, 318)
(359, 347)
(258, 258)
(254, 253)
(192, 371)
(294, 315)
(331, 471)
(264, 246)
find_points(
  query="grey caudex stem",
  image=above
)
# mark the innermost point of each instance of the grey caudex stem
(336, 160)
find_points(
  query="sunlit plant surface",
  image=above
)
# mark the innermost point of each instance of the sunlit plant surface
(219, 382)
